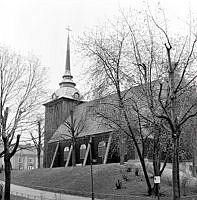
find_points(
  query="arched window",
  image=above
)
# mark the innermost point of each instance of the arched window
(66, 151)
(101, 149)
(82, 151)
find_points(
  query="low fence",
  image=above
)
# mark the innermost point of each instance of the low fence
(59, 197)
(37, 197)
(107, 196)
(194, 197)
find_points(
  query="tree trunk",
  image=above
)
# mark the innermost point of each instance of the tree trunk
(7, 177)
(146, 175)
(194, 162)
(156, 189)
(194, 152)
(39, 142)
(122, 152)
(156, 161)
(143, 166)
(74, 153)
(178, 174)
(122, 109)
(175, 170)
(38, 156)
(140, 157)
(121, 104)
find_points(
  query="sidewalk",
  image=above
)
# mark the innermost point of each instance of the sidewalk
(41, 195)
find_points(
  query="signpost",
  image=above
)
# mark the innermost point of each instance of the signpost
(157, 180)
(92, 184)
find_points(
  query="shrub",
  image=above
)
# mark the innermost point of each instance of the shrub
(129, 169)
(136, 171)
(118, 184)
(125, 178)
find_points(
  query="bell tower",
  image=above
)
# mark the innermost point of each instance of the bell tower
(58, 108)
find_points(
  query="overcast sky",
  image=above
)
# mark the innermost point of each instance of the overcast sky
(38, 26)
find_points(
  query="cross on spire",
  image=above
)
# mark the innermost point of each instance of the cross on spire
(68, 29)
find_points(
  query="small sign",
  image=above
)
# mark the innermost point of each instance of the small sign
(156, 179)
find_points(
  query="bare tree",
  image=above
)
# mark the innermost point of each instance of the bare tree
(173, 98)
(161, 67)
(38, 140)
(109, 74)
(75, 124)
(21, 90)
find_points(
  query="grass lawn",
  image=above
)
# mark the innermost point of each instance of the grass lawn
(77, 181)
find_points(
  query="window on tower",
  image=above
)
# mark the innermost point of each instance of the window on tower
(76, 95)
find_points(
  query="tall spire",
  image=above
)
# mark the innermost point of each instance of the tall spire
(67, 86)
(67, 69)
(67, 77)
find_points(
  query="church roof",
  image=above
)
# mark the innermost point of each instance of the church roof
(101, 115)
(85, 122)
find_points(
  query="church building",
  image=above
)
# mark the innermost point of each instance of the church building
(68, 117)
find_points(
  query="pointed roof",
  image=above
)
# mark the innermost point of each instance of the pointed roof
(67, 77)
(67, 67)
(67, 86)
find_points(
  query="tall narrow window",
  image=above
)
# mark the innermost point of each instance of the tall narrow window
(30, 160)
(20, 160)
(66, 151)
(101, 149)
(82, 151)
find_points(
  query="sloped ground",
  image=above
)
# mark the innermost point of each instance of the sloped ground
(188, 183)
(78, 181)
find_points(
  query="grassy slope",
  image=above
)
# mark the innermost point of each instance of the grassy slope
(78, 180)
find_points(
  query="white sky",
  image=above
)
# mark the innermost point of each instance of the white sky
(38, 26)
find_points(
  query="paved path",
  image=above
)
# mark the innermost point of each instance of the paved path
(42, 195)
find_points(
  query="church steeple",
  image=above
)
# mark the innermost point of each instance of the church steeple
(67, 86)
(67, 67)
(67, 77)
